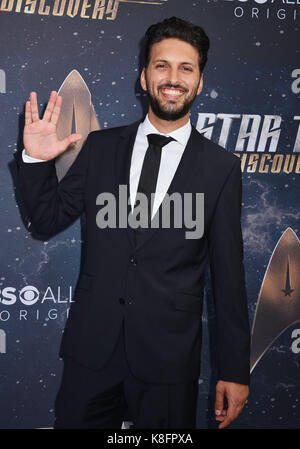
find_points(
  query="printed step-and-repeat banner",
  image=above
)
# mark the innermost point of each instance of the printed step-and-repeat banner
(89, 50)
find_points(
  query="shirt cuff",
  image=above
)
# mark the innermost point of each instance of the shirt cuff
(26, 158)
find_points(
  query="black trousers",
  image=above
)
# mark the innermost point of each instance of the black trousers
(101, 399)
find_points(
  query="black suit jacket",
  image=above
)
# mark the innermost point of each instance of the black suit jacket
(156, 287)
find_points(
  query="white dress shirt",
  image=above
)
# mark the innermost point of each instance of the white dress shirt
(170, 158)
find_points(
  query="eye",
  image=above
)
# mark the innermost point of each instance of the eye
(187, 69)
(160, 66)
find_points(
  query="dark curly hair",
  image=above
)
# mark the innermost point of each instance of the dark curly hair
(180, 29)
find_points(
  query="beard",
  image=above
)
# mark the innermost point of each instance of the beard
(170, 112)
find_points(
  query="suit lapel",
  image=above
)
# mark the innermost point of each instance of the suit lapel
(188, 162)
(123, 163)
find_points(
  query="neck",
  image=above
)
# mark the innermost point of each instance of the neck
(165, 126)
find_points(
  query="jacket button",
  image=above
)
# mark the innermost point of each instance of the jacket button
(133, 261)
(121, 300)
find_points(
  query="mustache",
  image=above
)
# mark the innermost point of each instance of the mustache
(172, 86)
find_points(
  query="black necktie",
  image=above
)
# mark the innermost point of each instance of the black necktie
(149, 172)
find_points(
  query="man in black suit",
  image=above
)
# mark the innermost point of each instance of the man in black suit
(133, 336)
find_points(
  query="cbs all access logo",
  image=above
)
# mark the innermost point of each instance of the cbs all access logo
(278, 10)
(30, 304)
(24, 304)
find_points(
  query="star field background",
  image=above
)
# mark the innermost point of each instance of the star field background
(248, 72)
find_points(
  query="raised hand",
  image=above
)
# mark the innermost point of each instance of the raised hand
(40, 138)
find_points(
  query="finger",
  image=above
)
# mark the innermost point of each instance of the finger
(28, 119)
(34, 107)
(221, 416)
(233, 412)
(219, 402)
(72, 138)
(226, 421)
(50, 106)
(56, 110)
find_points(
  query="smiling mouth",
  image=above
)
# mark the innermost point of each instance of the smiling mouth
(171, 93)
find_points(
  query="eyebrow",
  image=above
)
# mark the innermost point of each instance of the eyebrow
(183, 63)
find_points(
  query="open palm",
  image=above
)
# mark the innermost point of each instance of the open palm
(40, 137)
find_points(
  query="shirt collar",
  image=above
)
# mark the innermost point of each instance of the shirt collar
(181, 134)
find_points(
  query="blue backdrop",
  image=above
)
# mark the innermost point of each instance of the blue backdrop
(248, 104)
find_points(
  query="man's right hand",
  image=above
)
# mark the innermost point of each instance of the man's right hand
(40, 138)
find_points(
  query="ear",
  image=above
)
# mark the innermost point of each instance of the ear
(200, 87)
(143, 79)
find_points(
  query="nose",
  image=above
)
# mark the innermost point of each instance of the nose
(173, 75)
